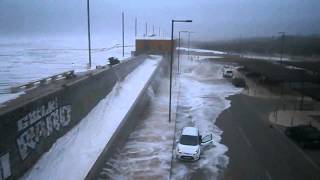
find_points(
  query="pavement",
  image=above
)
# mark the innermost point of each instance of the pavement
(257, 151)
(289, 118)
(288, 111)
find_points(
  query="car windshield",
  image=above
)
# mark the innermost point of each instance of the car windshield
(189, 140)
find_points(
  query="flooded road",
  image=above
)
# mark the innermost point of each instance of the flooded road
(202, 98)
(147, 153)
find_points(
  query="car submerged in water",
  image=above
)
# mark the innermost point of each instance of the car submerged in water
(188, 147)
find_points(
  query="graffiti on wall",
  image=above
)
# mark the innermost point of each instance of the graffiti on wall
(39, 124)
(5, 170)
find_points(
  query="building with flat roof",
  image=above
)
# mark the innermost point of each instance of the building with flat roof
(153, 46)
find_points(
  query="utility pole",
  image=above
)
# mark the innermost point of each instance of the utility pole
(159, 32)
(89, 38)
(122, 34)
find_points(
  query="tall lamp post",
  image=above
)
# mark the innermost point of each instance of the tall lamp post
(146, 33)
(122, 34)
(89, 39)
(171, 60)
(135, 27)
(180, 49)
(189, 43)
(282, 45)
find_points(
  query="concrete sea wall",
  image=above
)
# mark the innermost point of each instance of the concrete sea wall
(28, 128)
(130, 120)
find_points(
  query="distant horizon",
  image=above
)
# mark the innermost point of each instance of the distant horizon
(212, 20)
(128, 39)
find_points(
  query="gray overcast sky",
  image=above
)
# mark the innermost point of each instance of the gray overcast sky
(213, 19)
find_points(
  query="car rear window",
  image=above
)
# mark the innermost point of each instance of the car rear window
(189, 140)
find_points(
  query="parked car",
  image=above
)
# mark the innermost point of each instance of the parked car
(227, 72)
(239, 82)
(306, 136)
(188, 147)
(113, 61)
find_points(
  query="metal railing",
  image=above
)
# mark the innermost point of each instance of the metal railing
(46, 80)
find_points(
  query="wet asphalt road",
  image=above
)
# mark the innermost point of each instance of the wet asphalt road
(256, 151)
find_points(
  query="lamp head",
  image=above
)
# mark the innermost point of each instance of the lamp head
(181, 20)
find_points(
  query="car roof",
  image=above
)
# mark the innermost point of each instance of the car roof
(191, 131)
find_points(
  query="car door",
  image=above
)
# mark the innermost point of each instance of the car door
(207, 139)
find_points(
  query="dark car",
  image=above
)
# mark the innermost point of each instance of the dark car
(113, 61)
(239, 82)
(306, 136)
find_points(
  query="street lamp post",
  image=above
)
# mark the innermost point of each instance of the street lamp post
(180, 49)
(146, 33)
(136, 27)
(189, 43)
(89, 38)
(122, 34)
(171, 61)
(282, 45)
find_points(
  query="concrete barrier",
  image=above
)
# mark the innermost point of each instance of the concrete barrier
(129, 121)
(30, 125)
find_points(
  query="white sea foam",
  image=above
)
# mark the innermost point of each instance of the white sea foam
(202, 50)
(72, 156)
(147, 153)
(202, 98)
(9, 97)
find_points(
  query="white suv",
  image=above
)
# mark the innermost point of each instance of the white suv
(188, 147)
(227, 72)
